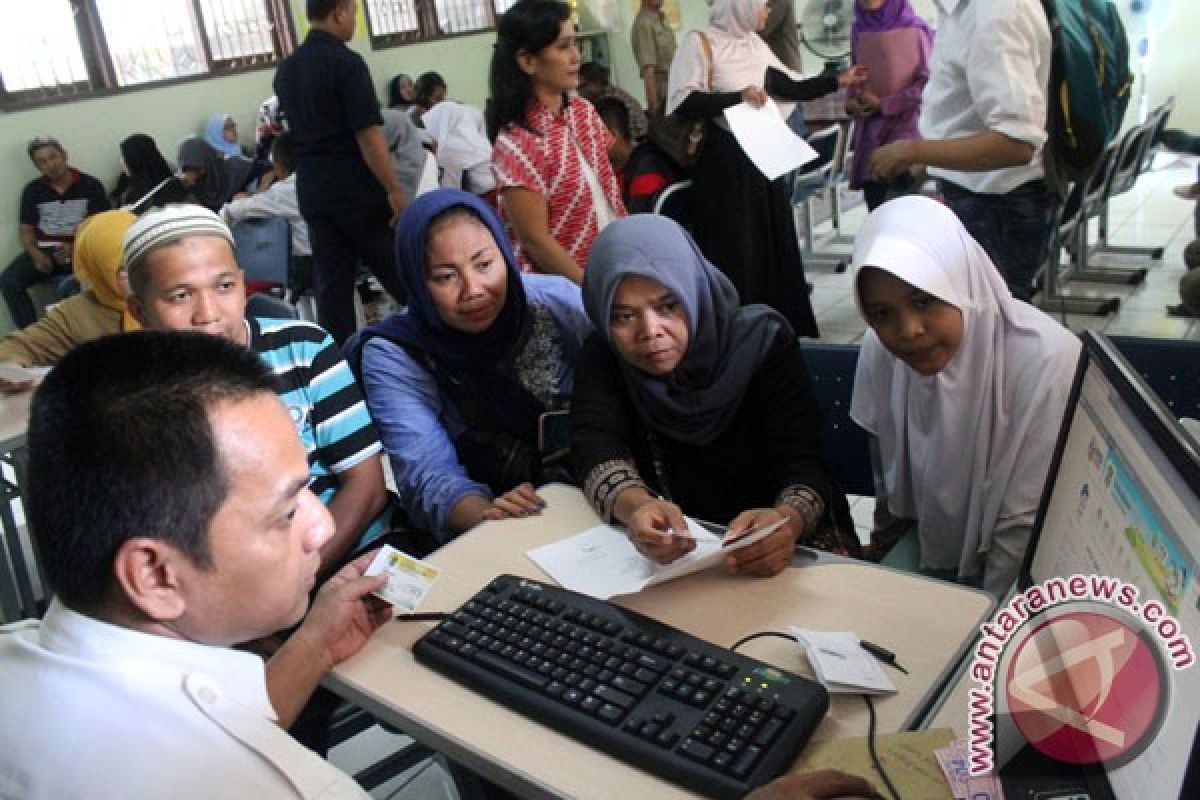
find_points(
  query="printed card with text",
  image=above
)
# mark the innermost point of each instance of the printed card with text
(409, 579)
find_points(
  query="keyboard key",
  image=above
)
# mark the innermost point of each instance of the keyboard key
(746, 761)
(629, 685)
(610, 714)
(769, 732)
(614, 696)
(696, 750)
(513, 672)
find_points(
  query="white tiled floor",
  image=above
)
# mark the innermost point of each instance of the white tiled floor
(1147, 215)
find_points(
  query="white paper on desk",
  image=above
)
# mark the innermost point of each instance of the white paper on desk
(15, 374)
(601, 562)
(841, 663)
(767, 140)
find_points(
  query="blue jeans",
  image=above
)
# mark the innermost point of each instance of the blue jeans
(16, 280)
(1013, 228)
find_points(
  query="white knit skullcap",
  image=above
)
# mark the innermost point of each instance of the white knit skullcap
(168, 225)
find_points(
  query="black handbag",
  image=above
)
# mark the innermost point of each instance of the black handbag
(682, 139)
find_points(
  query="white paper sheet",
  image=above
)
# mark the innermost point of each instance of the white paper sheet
(766, 139)
(601, 562)
(841, 664)
(15, 374)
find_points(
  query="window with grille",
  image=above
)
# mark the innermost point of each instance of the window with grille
(56, 50)
(397, 22)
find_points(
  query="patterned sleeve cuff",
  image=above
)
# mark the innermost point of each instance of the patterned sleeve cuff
(807, 503)
(606, 481)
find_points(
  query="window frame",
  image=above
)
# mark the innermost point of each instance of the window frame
(427, 26)
(102, 79)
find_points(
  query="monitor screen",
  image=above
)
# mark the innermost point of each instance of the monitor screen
(1123, 503)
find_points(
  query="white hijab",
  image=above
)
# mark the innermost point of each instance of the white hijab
(740, 56)
(965, 452)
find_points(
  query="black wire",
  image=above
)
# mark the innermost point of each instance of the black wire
(423, 616)
(866, 699)
(874, 754)
(762, 635)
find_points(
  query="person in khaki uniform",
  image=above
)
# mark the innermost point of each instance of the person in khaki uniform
(653, 49)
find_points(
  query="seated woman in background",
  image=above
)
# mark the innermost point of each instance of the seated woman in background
(146, 181)
(687, 402)
(212, 178)
(220, 131)
(557, 188)
(894, 44)
(962, 389)
(458, 382)
(97, 311)
(742, 221)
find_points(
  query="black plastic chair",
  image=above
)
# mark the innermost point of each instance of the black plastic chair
(832, 367)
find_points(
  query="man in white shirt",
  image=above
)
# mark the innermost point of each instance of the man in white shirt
(983, 123)
(167, 495)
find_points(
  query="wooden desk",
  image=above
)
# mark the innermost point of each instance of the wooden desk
(927, 624)
(17, 599)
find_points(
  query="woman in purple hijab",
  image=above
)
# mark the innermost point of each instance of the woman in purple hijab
(893, 43)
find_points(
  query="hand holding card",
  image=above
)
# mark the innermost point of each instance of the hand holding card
(409, 579)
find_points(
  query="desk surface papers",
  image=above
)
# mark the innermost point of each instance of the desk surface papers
(601, 562)
(767, 140)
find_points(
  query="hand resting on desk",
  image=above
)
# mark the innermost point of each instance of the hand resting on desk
(825, 784)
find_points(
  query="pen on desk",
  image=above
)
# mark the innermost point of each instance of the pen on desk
(881, 653)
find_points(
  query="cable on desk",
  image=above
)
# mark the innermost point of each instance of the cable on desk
(874, 754)
(423, 616)
(866, 698)
(762, 635)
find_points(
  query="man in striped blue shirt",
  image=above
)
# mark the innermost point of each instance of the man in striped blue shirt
(184, 276)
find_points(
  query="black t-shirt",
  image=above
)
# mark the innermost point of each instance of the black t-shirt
(325, 91)
(56, 216)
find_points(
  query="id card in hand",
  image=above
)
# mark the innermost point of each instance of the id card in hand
(409, 579)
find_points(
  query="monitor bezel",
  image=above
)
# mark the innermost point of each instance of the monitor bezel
(1164, 429)
(1173, 441)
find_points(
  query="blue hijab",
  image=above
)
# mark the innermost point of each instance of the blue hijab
(214, 134)
(479, 362)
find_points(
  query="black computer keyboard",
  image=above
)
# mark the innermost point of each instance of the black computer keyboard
(686, 710)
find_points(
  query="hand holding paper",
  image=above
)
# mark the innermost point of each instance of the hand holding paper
(659, 531)
(767, 140)
(602, 562)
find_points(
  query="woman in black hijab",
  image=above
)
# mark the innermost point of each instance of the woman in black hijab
(146, 179)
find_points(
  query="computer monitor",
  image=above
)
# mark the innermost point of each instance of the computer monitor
(1123, 502)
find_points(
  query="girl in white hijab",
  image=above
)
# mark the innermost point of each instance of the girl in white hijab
(741, 221)
(962, 387)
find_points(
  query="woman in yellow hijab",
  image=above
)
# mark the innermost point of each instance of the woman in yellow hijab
(97, 311)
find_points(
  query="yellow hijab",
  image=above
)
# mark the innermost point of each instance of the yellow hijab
(97, 260)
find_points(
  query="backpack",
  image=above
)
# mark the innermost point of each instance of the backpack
(1090, 83)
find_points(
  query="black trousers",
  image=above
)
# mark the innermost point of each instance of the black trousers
(340, 242)
(15, 282)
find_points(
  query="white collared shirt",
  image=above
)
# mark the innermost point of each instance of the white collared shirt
(989, 71)
(93, 710)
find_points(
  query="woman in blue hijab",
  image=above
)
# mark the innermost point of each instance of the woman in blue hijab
(688, 402)
(459, 382)
(220, 131)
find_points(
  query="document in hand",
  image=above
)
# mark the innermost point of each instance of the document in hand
(766, 139)
(601, 562)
